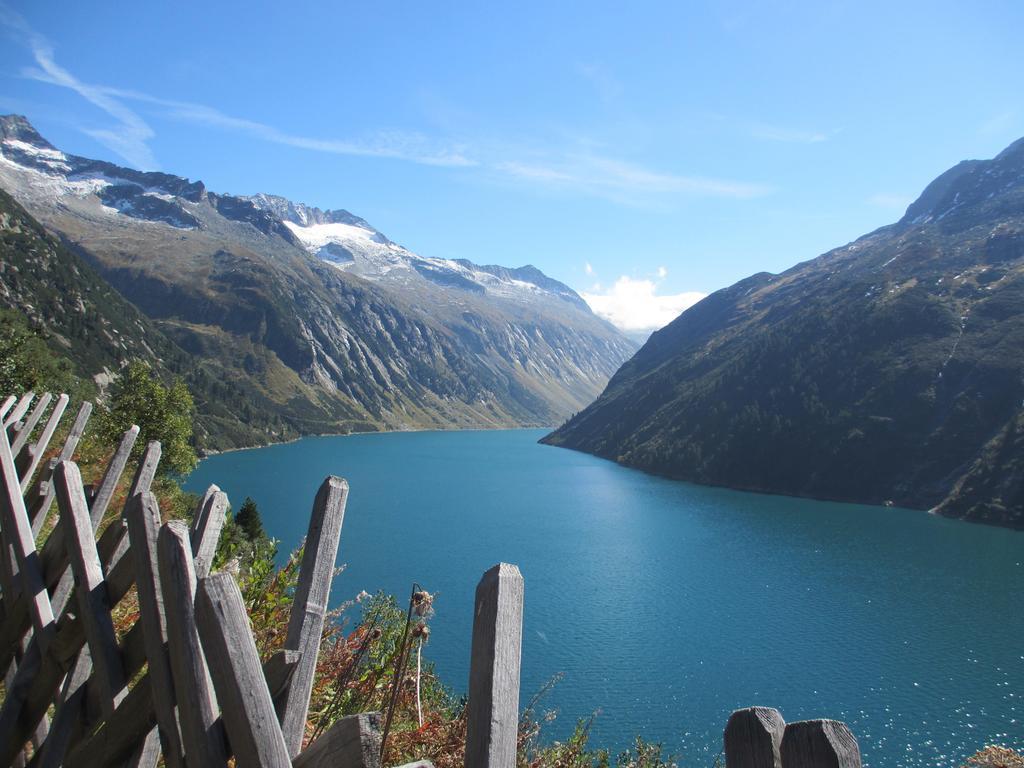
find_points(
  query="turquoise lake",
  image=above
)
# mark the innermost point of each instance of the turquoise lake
(667, 605)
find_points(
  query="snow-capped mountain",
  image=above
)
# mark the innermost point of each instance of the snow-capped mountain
(317, 311)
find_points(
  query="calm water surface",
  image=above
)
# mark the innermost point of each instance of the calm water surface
(668, 605)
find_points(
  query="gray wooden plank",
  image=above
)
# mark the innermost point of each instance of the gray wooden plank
(197, 706)
(247, 709)
(278, 671)
(306, 623)
(752, 738)
(143, 517)
(70, 709)
(8, 403)
(19, 410)
(121, 735)
(44, 494)
(28, 461)
(17, 531)
(25, 430)
(352, 742)
(112, 476)
(207, 528)
(819, 744)
(493, 706)
(93, 600)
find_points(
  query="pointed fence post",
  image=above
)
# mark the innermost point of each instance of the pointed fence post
(819, 744)
(143, 516)
(493, 706)
(201, 735)
(246, 707)
(352, 742)
(752, 738)
(310, 606)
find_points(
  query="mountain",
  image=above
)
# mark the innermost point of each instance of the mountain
(90, 324)
(317, 316)
(890, 370)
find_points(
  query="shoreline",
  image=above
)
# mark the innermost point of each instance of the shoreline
(208, 454)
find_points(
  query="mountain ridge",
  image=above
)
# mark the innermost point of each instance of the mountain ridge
(888, 370)
(387, 340)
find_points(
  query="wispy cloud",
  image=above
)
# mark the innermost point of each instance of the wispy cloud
(585, 168)
(789, 135)
(610, 177)
(635, 305)
(129, 134)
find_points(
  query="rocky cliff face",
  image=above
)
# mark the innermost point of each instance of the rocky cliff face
(332, 325)
(891, 369)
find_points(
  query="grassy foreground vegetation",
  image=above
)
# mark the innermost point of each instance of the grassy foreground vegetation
(373, 649)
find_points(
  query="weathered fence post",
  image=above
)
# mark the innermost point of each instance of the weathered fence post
(753, 737)
(493, 707)
(306, 622)
(197, 706)
(246, 707)
(352, 742)
(819, 744)
(143, 516)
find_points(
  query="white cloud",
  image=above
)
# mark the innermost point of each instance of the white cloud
(588, 268)
(662, 273)
(634, 305)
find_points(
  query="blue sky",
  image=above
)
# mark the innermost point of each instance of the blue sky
(643, 153)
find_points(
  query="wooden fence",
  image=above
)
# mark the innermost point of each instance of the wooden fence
(185, 682)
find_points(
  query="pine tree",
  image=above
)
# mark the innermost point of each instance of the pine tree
(248, 519)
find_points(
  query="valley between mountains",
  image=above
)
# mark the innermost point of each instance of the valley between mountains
(284, 319)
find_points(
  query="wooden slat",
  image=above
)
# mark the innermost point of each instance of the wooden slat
(143, 516)
(29, 460)
(44, 494)
(306, 622)
(197, 706)
(352, 742)
(112, 476)
(70, 709)
(278, 671)
(121, 735)
(25, 430)
(17, 531)
(19, 410)
(93, 600)
(118, 739)
(819, 744)
(39, 676)
(493, 705)
(8, 403)
(247, 709)
(752, 738)
(206, 531)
